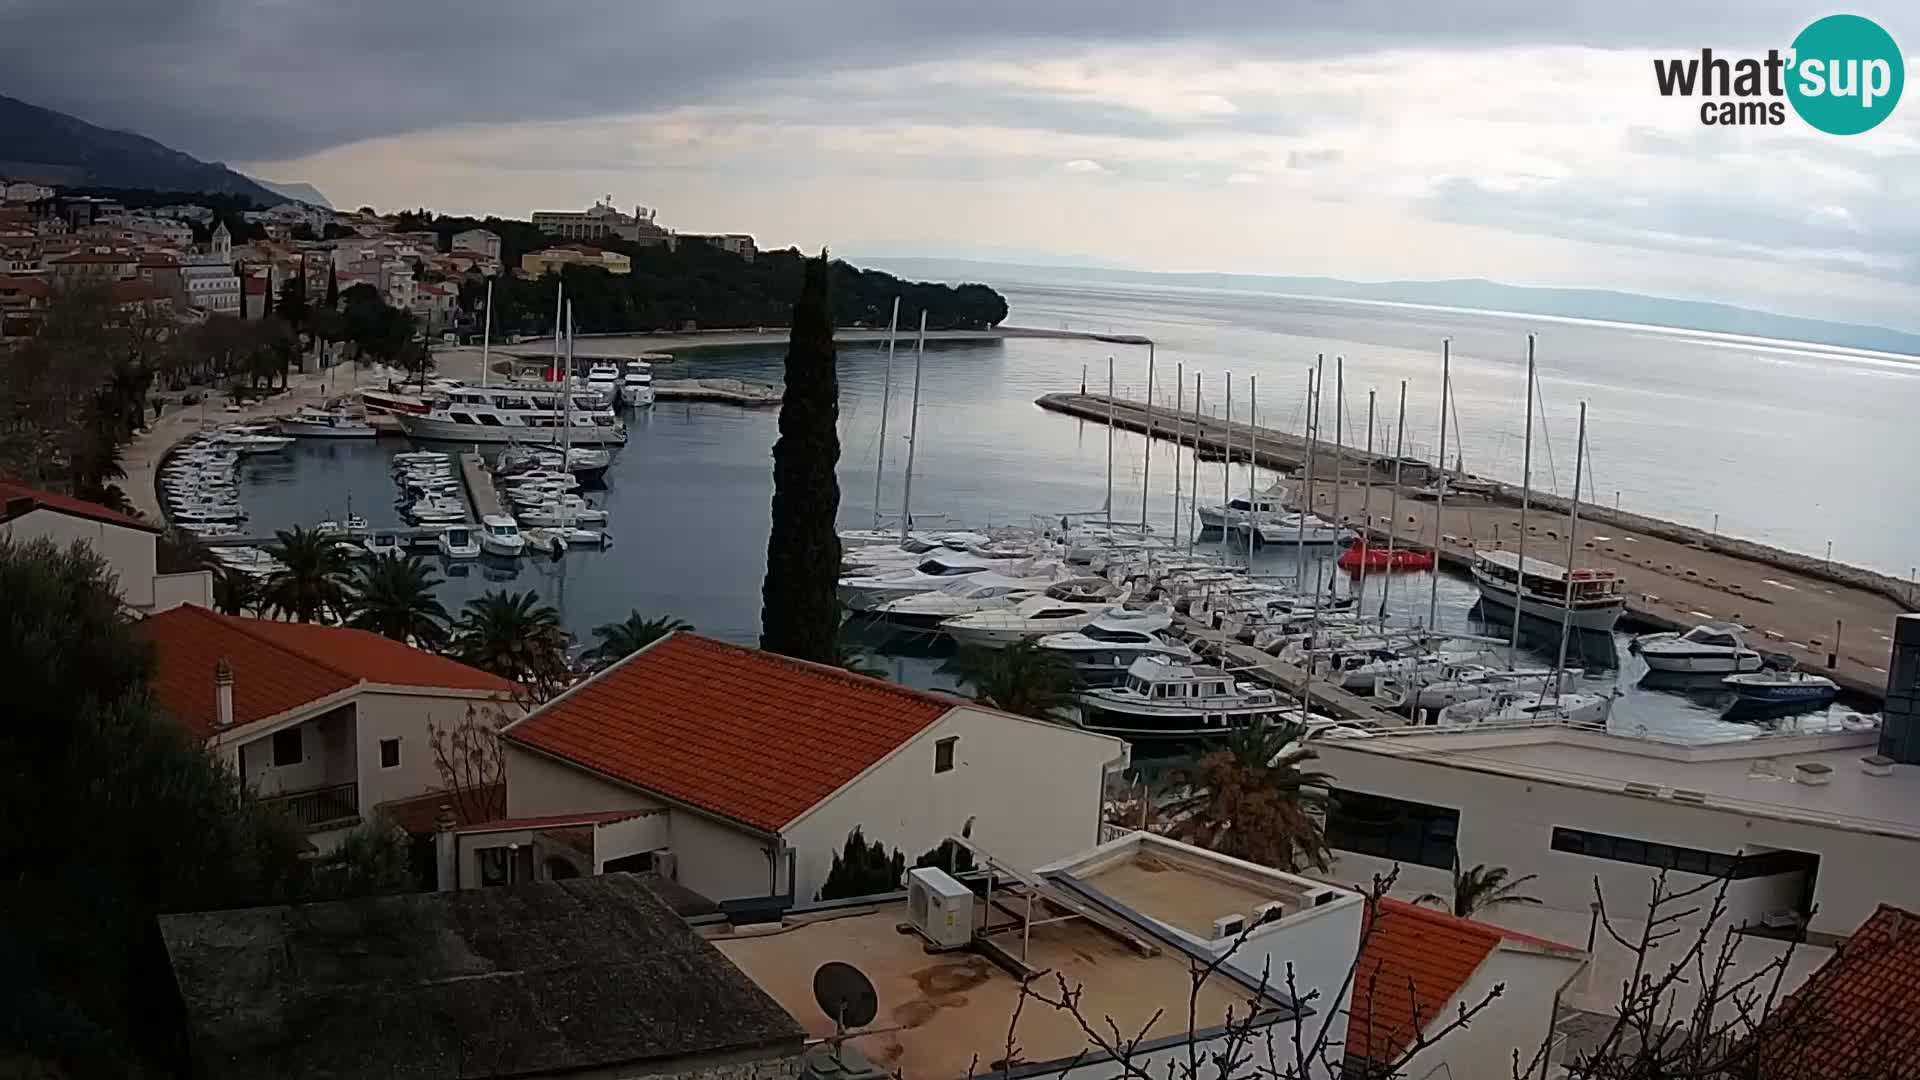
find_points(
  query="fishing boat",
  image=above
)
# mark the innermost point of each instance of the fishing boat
(458, 542)
(1104, 650)
(1165, 700)
(333, 422)
(1598, 596)
(1710, 648)
(1364, 556)
(1770, 691)
(500, 535)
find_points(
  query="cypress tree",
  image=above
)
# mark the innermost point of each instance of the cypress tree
(799, 610)
(266, 305)
(333, 288)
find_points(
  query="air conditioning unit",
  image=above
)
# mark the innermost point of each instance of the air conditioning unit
(939, 908)
(1229, 926)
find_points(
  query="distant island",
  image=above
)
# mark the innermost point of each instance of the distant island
(1471, 293)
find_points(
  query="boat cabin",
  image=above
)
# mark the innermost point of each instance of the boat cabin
(1549, 581)
(1159, 679)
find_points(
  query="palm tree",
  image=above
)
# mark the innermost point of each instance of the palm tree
(1252, 799)
(1480, 888)
(516, 637)
(234, 592)
(393, 597)
(312, 584)
(1021, 678)
(628, 636)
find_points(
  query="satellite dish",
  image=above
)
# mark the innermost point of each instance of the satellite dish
(845, 995)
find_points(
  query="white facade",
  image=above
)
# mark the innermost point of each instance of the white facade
(1031, 789)
(25, 192)
(209, 278)
(478, 241)
(129, 553)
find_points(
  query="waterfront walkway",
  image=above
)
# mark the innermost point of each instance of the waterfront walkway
(1677, 576)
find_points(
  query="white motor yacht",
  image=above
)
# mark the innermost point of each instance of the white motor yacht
(1036, 616)
(1166, 700)
(500, 535)
(248, 560)
(1520, 709)
(1103, 650)
(986, 591)
(1598, 595)
(247, 441)
(1710, 648)
(1431, 689)
(383, 542)
(550, 515)
(636, 384)
(330, 423)
(1311, 530)
(864, 592)
(533, 413)
(458, 542)
(1237, 512)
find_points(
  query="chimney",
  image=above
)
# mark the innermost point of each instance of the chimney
(222, 694)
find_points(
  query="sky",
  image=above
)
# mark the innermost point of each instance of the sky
(1507, 139)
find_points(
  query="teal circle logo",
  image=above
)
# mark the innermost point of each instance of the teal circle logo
(1846, 74)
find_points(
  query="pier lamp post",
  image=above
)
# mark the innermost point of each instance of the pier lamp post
(1146, 464)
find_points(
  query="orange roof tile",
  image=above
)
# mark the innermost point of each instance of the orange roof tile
(748, 735)
(1861, 1009)
(1408, 944)
(280, 666)
(417, 815)
(65, 504)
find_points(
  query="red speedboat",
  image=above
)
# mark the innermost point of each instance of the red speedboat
(1373, 558)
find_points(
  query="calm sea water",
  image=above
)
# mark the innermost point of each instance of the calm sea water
(1789, 446)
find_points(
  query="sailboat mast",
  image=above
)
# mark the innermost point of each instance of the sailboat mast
(1179, 413)
(1253, 469)
(1339, 444)
(1226, 477)
(559, 322)
(1526, 497)
(486, 333)
(886, 403)
(1146, 463)
(1573, 530)
(1393, 504)
(1193, 523)
(913, 429)
(1110, 426)
(1366, 511)
(1440, 492)
(1306, 491)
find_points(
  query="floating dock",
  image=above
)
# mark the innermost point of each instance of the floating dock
(742, 392)
(481, 495)
(1832, 619)
(1325, 697)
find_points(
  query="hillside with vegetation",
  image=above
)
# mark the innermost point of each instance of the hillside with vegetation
(699, 287)
(53, 148)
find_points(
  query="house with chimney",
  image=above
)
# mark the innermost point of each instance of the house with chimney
(329, 721)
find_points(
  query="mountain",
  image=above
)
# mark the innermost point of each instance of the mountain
(305, 193)
(49, 147)
(1472, 293)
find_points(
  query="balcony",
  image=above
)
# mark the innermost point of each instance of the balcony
(336, 806)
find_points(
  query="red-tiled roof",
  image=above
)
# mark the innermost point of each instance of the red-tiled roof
(417, 815)
(279, 666)
(10, 492)
(33, 288)
(79, 257)
(1859, 1015)
(136, 291)
(748, 735)
(1435, 952)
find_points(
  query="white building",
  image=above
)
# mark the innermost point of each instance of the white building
(742, 772)
(209, 278)
(600, 221)
(740, 244)
(25, 192)
(127, 545)
(328, 721)
(478, 241)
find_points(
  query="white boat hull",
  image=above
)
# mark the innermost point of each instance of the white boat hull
(637, 396)
(1599, 617)
(496, 546)
(1312, 536)
(428, 427)
(302, 430)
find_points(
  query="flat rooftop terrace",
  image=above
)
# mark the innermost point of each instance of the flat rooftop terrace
(953, 1008)
(1759, 777)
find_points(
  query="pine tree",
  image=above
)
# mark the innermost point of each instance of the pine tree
(799, 611)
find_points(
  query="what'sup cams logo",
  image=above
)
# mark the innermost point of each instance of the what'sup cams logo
(1843, 75)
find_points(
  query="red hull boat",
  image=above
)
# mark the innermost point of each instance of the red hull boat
(1374, 558)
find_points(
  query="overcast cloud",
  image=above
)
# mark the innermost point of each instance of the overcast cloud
(1514, 140)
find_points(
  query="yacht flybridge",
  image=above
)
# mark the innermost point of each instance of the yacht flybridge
(533, 413)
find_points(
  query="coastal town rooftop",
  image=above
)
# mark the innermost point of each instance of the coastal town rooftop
(1831, 778)
(1145, 909)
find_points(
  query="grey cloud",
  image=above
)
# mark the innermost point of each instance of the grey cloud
(265, 79)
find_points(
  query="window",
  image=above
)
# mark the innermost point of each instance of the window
(1683, 859)
(1390, 828)
(287, 749)
(389, 753)
(943, 755)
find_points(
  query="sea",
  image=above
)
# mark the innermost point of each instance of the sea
(1795, 445)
